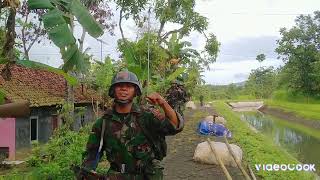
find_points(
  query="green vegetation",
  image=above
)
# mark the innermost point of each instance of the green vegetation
(297, 103)
(2, 96)
(54, 159)
(261, 82)
(220, 92)
(299, 49)
(257, 148)
(58, 21)
(304, 110)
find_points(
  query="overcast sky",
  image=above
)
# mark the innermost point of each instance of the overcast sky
(245, 28)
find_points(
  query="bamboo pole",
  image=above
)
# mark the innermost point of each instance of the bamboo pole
(225, 171)
(251, 173)
(247, 177)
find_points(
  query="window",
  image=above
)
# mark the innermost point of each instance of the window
(4, 152)
(33, 128)
(82, 120)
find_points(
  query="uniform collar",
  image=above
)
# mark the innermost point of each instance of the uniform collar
(135, 109)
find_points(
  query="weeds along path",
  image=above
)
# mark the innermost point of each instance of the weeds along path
(179, 163)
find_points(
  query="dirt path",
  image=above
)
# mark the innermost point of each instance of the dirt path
(179, 164)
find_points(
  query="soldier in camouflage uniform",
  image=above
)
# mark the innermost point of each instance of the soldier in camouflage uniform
(177, 96)
(132, 137)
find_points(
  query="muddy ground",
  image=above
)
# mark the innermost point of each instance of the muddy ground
(179, 163)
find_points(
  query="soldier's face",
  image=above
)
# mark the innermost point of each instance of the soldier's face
(124, 91)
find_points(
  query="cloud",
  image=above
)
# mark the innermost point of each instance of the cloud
(241, 76)
(248, 48)
(223, 73)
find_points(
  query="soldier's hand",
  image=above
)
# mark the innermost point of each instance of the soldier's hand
(156, 99)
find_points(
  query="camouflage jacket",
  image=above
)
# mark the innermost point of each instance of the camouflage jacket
(125, 141)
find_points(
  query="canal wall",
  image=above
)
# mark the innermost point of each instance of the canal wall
(289, 116)
(245, 106)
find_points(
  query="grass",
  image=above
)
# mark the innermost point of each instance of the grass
(245, 97)
(257, 148)
(297, 103)
(304, 110)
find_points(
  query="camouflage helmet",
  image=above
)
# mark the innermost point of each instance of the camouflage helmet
(125, 77)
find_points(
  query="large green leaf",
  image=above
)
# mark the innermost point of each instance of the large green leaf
(128, 54)
(70, 51)
(61, 36)
(137, 70)
(75, 60)
(2, 96)
(53, 18)
(175, 74)
(40, 4)
(58, 29)
(85, 19)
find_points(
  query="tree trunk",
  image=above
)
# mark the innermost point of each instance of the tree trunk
(24, 43)
(8, 48)
(82, 40)
(70, 101)
(70, 91)
(160, 30)
(120, 25)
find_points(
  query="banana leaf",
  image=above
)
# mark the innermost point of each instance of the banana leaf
(141, 73)
(40, 4)
(56, 23)
(85, 19)
(58, 29)
(175, 74)
(128, 54)
(73, 57)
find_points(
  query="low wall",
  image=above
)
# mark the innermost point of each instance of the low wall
(8, 135)
(246, 106)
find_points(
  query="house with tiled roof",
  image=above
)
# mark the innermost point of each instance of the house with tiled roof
(44, 90)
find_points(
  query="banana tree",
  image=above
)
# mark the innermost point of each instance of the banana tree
(58, 21)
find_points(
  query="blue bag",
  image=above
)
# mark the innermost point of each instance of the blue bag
(209, 128)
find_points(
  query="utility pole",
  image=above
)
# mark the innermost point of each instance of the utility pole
(149, 12)
(101, 42)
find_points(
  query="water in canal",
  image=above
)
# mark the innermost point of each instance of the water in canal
(302, 142)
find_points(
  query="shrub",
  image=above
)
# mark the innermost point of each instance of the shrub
(54, 159)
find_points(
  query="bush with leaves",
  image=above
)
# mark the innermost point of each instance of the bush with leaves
(53, 160)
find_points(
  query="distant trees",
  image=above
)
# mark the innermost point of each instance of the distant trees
(261, 82)
(261, 57)
(299, 48)
(217, 92)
